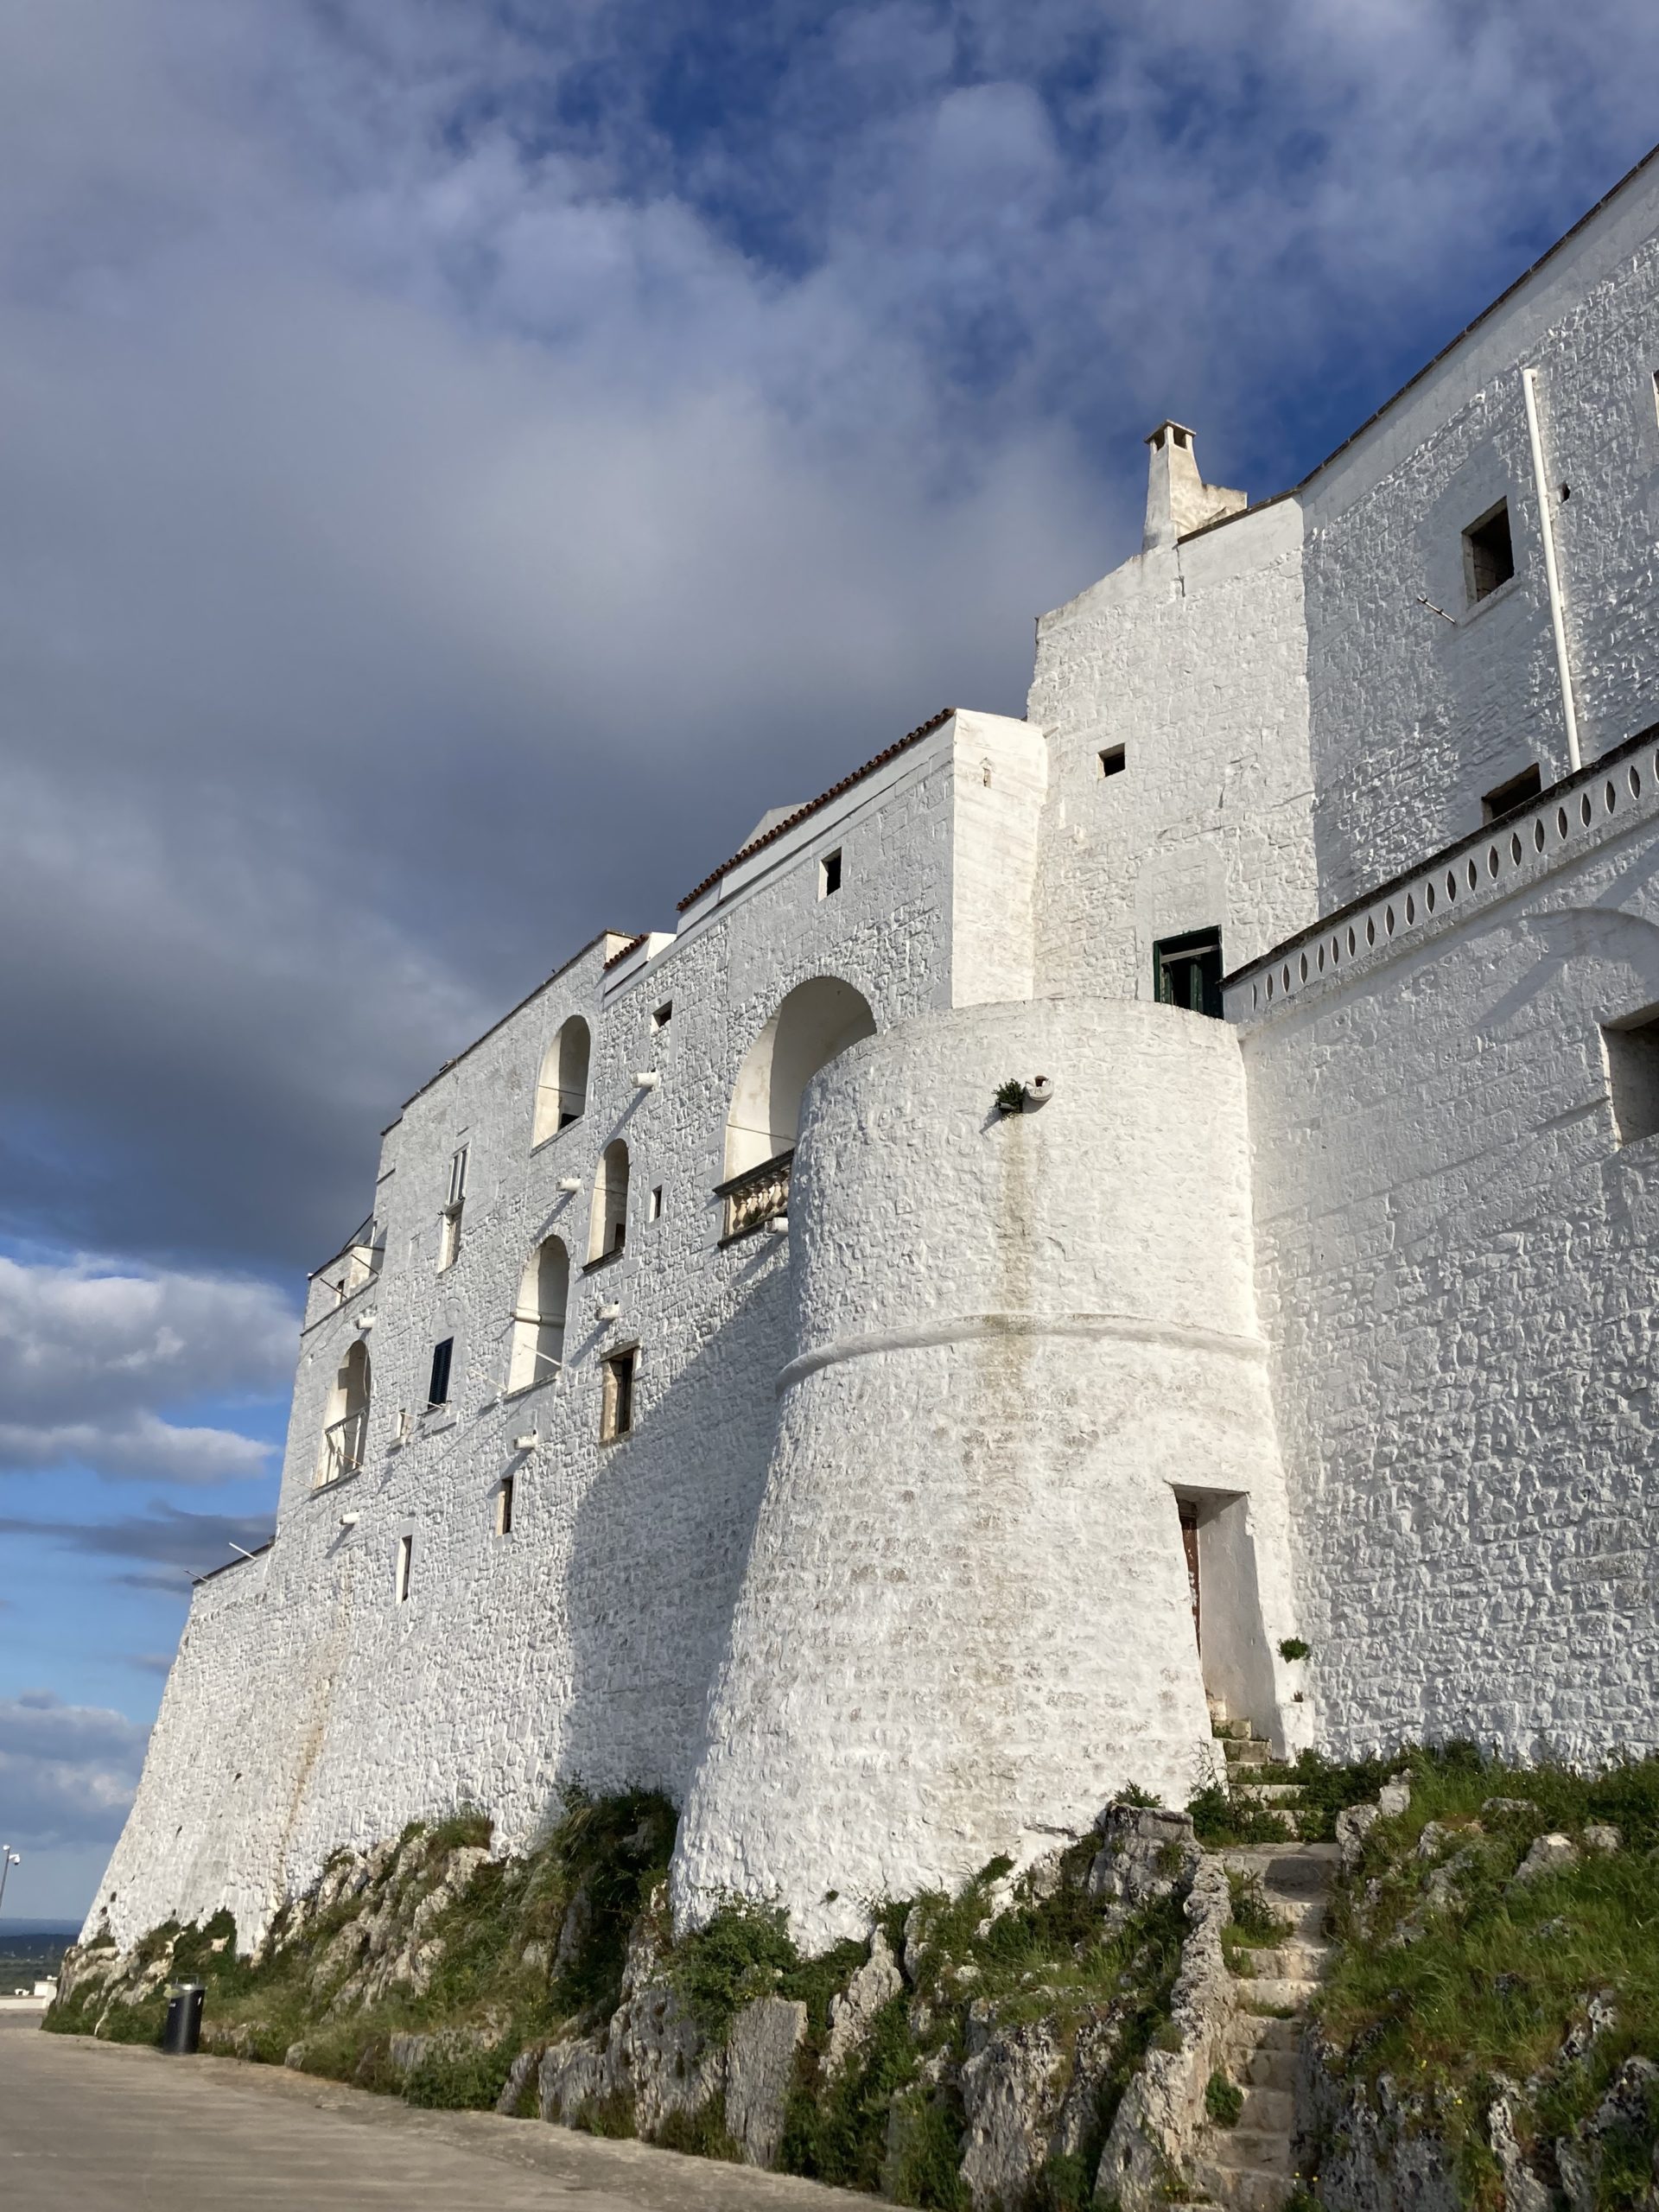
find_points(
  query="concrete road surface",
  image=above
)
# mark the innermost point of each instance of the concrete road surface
(90, 2127)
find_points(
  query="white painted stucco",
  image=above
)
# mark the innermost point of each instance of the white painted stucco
(886, 1580)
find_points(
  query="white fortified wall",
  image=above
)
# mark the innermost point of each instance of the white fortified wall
(1455, 1261)
(1019, 1341)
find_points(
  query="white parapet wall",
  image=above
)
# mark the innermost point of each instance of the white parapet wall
(1022, 1341)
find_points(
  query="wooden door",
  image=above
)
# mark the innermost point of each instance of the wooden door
(1190, 1546)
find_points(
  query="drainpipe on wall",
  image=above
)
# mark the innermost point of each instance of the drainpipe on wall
(1552, 574)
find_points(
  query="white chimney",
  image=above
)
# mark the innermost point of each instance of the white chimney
(1178, 501)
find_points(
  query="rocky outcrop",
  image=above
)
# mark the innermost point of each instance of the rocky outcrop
(853, 2009)
(759, 2075)
(1162, 2113)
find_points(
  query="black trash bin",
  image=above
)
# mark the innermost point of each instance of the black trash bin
(181, 2037)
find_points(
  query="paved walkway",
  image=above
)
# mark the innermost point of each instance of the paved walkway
(90, 2127)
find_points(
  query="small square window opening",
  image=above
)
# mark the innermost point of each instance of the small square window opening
(405, 1568)
(1631, 1050)
(503, 1507)
(1488, 553)
(1114, 760)
(654, 1212)
(664, 1015)
(1518, 792)
(437, 1392)
(830, 875)
(616, 1415)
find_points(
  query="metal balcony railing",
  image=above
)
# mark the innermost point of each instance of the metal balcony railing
(357, 1262)
(756, 1197)
(342, 1447)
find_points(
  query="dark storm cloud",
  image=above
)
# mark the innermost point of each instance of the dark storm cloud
(458, 466)
(169, 1545)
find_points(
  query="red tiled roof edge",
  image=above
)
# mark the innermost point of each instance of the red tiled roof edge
(633, 945)
(880, 759)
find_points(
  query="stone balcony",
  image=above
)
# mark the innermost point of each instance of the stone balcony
(1572, 819)
(758, 1196)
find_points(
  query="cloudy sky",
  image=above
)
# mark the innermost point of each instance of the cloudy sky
(459, 464)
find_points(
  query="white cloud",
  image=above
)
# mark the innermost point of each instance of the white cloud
(67, 1772)
(88, 1355)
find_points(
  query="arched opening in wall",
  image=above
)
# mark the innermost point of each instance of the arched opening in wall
(608, 1225)
(345, 1417)
(817, 1021)
(538, 1319)
(561, 1087)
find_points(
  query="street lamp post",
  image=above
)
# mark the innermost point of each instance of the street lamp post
(8, 1858)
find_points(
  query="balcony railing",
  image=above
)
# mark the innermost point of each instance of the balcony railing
(342, 1447)
(357, 1262)
(756, 1197)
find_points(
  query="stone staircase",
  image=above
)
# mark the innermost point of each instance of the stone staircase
(1250, 2167)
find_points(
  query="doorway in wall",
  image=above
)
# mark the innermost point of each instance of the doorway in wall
(1218, 1557)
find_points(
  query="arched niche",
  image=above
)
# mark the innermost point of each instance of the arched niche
(538, 1319)
(609, 1222)
(346, 1416)
(817, 1021)
(561, 1086)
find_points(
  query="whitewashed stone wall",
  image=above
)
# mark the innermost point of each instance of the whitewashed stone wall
(1414, 717)
(1193, 659)
(965, 1619)
(308, 1707)
(1456, 1273)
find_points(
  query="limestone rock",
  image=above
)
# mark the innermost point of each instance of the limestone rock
(1144, 1854)
(1524, 2191)
(1629, 2116)
(1602, 1836)
(571, 2074)
(852, 2010)
(761, 2073)
(520, 2074)
(1354, 1824)
(1550, 1854)
(1011, 2090)
(1514, 1808)
(1395, 1796)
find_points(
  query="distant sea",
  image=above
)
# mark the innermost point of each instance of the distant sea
(8, 1928)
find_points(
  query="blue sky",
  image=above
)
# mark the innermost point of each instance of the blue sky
(429, 429)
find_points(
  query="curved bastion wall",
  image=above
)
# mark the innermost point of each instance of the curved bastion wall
(1022, 1343)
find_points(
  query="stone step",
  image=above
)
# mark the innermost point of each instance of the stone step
(1249, 2150)
(1233, 1732)
(1268, 2069)
(1255, 2031)
(1268, 2111)
(1289, 1962)
(1285, 1870)
(1282, 1995)
(1245, 1751)
(1268, 1793)
(1240, 2190)
(1217, 1709)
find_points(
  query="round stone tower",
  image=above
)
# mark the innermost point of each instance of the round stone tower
(1024, 1469)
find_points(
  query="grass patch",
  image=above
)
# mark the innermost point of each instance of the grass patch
(1493, 1979)
(1223, 2100)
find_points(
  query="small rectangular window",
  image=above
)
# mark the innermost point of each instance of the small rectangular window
(1518, 792)
(438, 1389)
(503, 1507)
(1186, 971)
(1114, 760)
(405, 1566)
(616, 1415)
(1631, 1050)
(449, 1237)
(458, 1176)
(1488, 553)
(655, 1211)
(664, 1015)
(830, 875)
